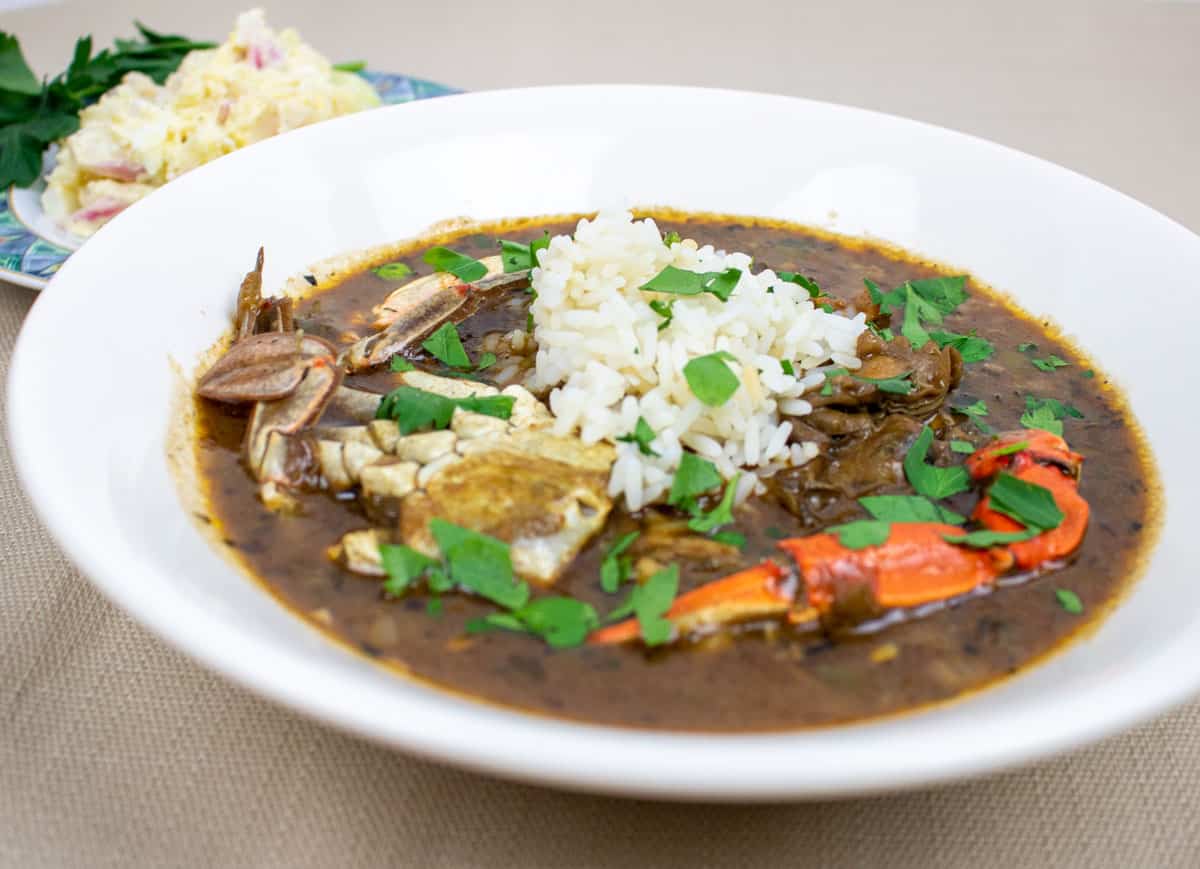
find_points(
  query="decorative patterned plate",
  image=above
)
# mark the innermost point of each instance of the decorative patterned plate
(32, 247)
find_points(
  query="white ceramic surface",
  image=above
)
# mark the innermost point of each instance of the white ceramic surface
(159, 283)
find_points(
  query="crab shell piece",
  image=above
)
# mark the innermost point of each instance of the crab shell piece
(262, 367)
(915, 566)
(1040, 446)
(1049, 546)
(760, 592)
(292, 413)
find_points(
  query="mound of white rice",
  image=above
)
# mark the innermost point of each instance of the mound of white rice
(600, 347)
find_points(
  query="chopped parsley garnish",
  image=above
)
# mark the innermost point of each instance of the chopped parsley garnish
(929, 480)
(1026, 346)
(434, 607)
(1050, 363)
(693, 478)
(415, 409)
(460, 265)
(899, 385)
(1069, 601)
(519, 257)
(399, 364)
(720, 515)
(976, 412)
(1047, 414)
(1028, 503)
(393, 271)
(908, 508)
(964, 447)
(814, 289)
(479, 563)
(404, 565)
(710, 378)
(563, 622)
(881, 334)
(730, 538)
(1010, 449)
(350, 66)
(671, 238)
(651, 600)
(923, 301)
(642, 435)
(615, 568)
(681, 282)
(446, 347)
(664, 309)
(1089, 374)
(971, 347)
(486, 361)
(862, 533)
(987, 539)
(788, 368)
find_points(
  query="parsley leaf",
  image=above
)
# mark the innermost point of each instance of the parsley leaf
(403, 565)
(710, 378)
(615, 567)
(830, 373)
(964, 447)
(929, 299)
(900, 385)
(642, 435)
(693, 477)
(15, 74)
(681, 282)
(479, 563)
(787, 367)
(350, 66)
(1089, 374)
(415, 409)
(1028, 503)
(1050, 363)
(1047, 414)
(651, 600)
(486, 361)
(976, 412)
(671, 238)
(929, 480)
(862, 533)
(1026, 346)
(33, 114)
(730, 538)
(518, 257)
(393, 271)
(664, 309)
(460, 265)
(988, 539)
(814, 289)
(971, 347)
(399, 364)
(720, 515)
(563, 622)
(908, 508)
(1069, 601)
(446, 346)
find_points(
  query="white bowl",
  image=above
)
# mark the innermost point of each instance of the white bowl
(91, 385)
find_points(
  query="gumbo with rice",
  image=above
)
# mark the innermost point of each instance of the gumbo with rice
(672, 471)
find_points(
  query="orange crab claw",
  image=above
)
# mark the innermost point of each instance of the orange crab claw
(915, 566)
(1040, 446)
(763, 591)
(1050, 545)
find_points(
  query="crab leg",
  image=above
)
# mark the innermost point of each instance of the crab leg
(418, 307)
(915, 566)
(249, 301)
(763, 591)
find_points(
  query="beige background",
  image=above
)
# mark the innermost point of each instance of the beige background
(115, 751)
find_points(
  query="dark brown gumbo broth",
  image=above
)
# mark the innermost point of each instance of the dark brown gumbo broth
(762, 675)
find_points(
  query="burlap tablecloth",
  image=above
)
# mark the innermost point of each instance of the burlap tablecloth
(116, 751)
